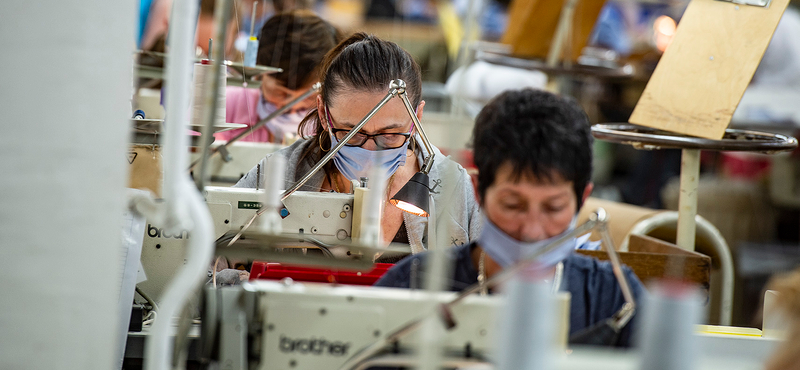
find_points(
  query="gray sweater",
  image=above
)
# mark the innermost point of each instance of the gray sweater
(455, 209)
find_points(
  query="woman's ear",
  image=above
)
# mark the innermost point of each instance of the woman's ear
(473, 175)
(321, 112)
(419, 110)
(587, 191)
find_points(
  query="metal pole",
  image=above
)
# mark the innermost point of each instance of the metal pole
(210, 98)
(560, 38)
(687, 203)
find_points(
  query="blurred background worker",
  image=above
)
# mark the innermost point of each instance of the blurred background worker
(296, 42)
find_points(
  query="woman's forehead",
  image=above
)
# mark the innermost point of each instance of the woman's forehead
(349, 108)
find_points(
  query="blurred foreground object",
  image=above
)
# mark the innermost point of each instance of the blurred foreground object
(787, 356)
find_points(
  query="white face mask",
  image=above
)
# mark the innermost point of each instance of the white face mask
(507, 251)
(279, 126)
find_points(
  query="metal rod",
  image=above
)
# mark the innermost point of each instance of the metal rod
(394, 88)
(562, 33)
(313, 89)
(616, 263)
(253, 19)
(428, 161)
(687, 201)
(210, 97)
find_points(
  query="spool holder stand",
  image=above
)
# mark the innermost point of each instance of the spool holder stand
(645, 138)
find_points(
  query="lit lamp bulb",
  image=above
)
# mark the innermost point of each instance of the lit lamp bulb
(413, 196)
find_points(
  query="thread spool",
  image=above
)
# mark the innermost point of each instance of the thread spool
(202, 83)
(373, 207)
(251, 52)
(527, 327)
(270, 221)
(666, 329)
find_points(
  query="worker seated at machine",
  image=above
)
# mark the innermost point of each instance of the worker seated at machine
(295, 42)
(355, 77)
(533, 151)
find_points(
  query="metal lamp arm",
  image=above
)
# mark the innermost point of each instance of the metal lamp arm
(428, 161)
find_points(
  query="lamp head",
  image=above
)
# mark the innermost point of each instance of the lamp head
(413, 197)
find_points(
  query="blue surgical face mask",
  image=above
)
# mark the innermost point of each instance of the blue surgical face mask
(355, 162)
(507, 251)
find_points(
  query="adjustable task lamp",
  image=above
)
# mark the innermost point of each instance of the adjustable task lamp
(413, 197)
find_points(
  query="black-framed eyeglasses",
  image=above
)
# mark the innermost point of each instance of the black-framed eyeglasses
(390, 140)
(383, 141)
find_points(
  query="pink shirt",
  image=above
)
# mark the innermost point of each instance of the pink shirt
(245, 105)
(241, 107)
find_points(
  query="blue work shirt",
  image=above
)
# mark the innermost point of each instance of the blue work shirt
(596, 296)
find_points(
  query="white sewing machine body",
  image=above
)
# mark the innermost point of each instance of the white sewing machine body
(326, 217)
(320, 326)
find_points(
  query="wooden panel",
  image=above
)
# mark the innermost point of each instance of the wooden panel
(649, 244)
(661, 260)
(145, 171)
(702, 75)
(532, 23)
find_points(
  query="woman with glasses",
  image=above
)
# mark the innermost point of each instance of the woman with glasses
(355, 77)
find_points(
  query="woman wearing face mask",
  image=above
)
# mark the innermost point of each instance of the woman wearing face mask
(297, 42)
(355, 77)
(533, 151)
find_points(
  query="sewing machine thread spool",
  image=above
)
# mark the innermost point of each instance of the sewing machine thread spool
(373, 208)
(203, 72)
(527, 327)
(666, 329)
(270, 221)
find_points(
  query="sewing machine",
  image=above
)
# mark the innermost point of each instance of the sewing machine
(319, 217)
(283, 324)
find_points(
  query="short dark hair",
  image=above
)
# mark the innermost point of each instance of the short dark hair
(537, 133)
(297, 42)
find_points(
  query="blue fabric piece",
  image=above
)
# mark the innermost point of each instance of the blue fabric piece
(611, 30)
(596, 296)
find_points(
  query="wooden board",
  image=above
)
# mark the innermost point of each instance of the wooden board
(650, 259)
(702, 75)
(145, 170)
(532, 23)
